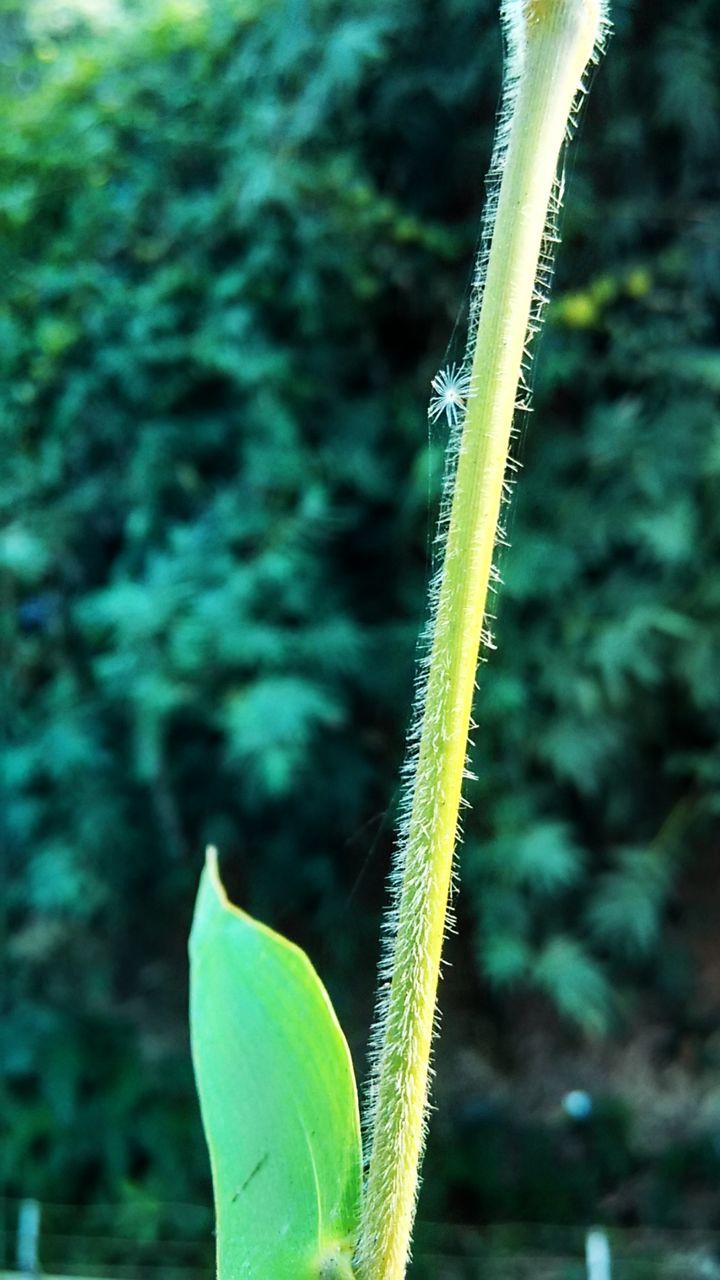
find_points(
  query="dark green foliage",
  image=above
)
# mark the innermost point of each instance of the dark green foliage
(234, 241)
(503, 1169)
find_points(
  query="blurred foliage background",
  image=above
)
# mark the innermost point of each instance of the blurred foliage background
(235, 239)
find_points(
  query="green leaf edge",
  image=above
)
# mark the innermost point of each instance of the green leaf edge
(337, 1265)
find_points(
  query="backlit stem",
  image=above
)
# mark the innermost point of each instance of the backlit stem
(553, 42)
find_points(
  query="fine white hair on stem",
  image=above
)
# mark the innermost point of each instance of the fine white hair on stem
(414, 871)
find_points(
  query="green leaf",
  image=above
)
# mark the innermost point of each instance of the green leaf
(270, 724)
(544, 858)
(278, 1099)
(626, 912)
(573, 980)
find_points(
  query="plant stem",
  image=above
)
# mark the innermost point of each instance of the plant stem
(552, 42)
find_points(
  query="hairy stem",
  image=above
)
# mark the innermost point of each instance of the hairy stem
(551, 43)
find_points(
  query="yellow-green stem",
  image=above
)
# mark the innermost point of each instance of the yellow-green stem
(554, 41)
